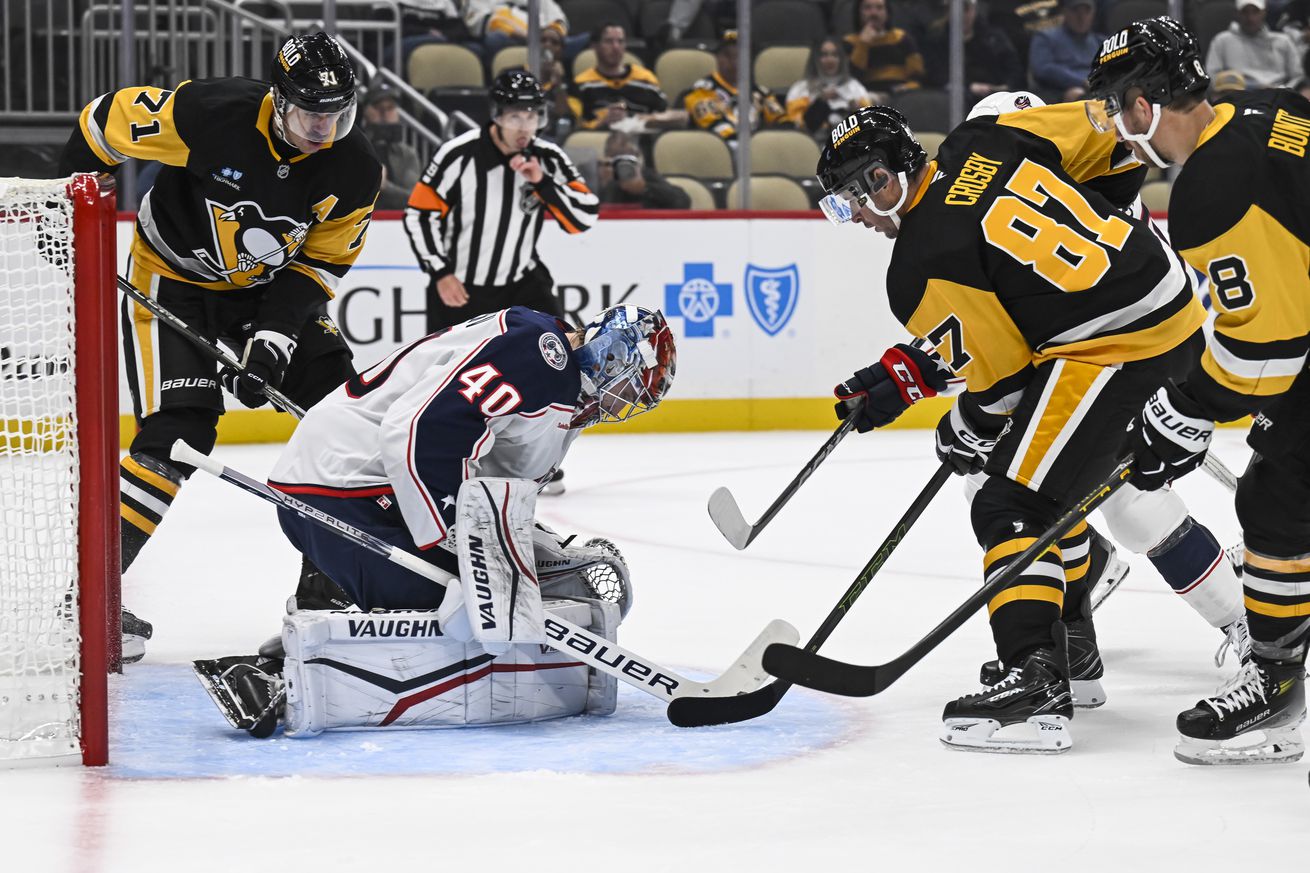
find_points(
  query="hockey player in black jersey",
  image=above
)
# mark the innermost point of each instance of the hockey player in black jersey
(1061, 314)
(1237, 212)
(261, 207)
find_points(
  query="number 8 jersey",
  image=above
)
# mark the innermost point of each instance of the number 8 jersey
(494, 396)
(1008, 258)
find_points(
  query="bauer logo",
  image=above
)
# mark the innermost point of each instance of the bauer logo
(771, 295)
(698, 299)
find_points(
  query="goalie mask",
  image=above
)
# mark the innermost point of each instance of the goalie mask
(627, 358)
(313, 92)
(873, 138)
(1158, 57)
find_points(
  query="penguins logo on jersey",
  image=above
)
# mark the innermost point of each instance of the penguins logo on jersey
(249, 246)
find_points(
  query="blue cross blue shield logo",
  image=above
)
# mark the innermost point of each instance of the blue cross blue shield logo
(771, 295)
(698, 299)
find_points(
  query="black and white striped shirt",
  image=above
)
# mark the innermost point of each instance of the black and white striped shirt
(471, 215)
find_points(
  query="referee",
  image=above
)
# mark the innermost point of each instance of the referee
(474, 217)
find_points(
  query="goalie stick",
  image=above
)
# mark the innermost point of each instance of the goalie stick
(705, 711)
(727, 516)
(208, 346)
(745, 674)
(811, 670)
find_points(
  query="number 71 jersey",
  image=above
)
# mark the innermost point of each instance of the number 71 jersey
(1008, 257)
(493, 396)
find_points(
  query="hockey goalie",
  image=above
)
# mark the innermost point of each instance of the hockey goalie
(440, 450)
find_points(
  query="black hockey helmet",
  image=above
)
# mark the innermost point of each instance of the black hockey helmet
(872, 137)
(516, 91)
(314, 89)
(1157, 55)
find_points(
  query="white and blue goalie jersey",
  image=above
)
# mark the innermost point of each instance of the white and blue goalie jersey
(493, 396)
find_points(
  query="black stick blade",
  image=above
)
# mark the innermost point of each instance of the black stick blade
(706, 711)
(822, 674)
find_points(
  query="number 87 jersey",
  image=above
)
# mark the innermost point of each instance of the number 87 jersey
(1008, 257)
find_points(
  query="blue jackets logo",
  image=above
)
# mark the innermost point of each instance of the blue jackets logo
(698, 299)
(771, 295)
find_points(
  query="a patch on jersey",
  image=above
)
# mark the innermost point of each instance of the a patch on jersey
(771, 295)
(249, 246)
(1023, 102)
(328, 325)
(552, 350)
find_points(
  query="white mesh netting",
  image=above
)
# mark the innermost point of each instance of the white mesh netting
(39, 668)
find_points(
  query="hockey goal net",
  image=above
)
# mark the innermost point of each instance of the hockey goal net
(58, 470)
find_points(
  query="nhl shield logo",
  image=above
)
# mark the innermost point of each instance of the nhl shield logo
(771, 295)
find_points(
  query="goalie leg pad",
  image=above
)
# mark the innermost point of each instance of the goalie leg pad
(390, 670)
(498, 578)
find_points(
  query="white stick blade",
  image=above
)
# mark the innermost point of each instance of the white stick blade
(747, 673)
(728, 519)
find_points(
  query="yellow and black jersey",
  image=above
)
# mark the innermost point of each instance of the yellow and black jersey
(1007, 259)
(1240, 213)
(234, 206)
(636, 87)
(712, 104)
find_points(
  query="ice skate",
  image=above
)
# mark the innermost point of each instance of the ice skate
(1108, 569)
(554, 485)
(248, 690)
(1027, 712)
(135, 632)
(1254, 718)
(1237, 639)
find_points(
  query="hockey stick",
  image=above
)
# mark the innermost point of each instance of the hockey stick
(745, 674)
(727, 516)
(705, 711)
(209, 347)
(837, 677)
(1220, 472)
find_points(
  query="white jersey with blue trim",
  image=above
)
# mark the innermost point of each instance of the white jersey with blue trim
(493, 396)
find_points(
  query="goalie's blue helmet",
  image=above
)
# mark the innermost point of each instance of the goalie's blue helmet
(628, 359)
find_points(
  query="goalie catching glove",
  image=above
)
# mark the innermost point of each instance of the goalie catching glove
(1169, 438)
(264, 365)
(878, 394)
(594, 570)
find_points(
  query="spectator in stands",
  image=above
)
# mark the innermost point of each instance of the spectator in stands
(624, 178)
(1265, 58)
(1021, 20)
(555, 81)
(1060, 57)
(885, 59)
(828, 93)
(1294, 20)
(400, 164)
(614, 90)
(712, 102)
(723, 14)
(991, 62)
(500, 23)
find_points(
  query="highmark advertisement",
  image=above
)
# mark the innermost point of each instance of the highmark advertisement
(764, 310)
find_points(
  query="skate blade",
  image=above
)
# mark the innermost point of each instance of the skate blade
(134, 648)
(1087, 693)
(210, 675)
(1116, 571)
(1039, 735)
(1275, 746)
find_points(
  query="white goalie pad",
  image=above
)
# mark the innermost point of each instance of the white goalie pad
(498, 577)
(395, 670)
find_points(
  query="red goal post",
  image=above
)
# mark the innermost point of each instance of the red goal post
(59, 559)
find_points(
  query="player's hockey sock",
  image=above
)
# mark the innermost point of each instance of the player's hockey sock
(1277, 605)
(1076, 553)
(1021, 616)
(147, 487)
(1191, 560)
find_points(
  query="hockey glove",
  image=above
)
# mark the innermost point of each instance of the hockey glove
(904, 376)
(265, 364)
(960, 442)
(1169, 439)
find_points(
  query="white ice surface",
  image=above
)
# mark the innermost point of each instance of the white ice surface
(820, 784)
